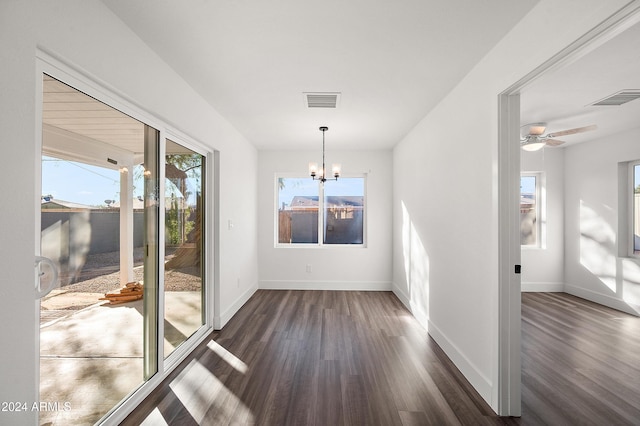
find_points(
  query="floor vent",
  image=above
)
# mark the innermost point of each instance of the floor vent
(321, 100)
(619, 98)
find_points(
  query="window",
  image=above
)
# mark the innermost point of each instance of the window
(635, 207)
(530, 208)
(312, 213)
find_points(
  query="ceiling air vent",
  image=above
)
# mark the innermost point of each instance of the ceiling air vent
(619, 98)
(321, 100)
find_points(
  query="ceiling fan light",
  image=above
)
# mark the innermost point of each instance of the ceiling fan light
(533, 145)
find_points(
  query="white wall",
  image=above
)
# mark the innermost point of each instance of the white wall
(17, 116)
(594, 269)
(336, 268)
(543, 267)
(445, 193)
(86, 36)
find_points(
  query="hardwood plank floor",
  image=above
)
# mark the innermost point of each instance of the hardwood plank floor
(580, 362)
(360, 358)
(317, 358)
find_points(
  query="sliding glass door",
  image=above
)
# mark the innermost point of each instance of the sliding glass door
(122, 219)
(184, 245)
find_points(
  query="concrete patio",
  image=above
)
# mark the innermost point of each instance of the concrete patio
(93, 357)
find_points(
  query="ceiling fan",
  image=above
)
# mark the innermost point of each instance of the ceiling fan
(536, 139)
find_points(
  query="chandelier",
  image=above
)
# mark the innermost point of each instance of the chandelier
(319, 174)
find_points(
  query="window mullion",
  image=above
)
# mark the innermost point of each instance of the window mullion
(321, 220)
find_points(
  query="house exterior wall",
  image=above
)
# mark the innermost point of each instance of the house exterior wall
(104, 228)
(446, 262)
(87, 38)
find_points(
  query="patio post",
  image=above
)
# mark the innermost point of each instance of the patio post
(126, 224)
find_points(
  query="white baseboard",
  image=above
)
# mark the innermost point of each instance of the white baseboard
(603, 299)
(417, 311)
(223, 319)
(542, 287)
(481, 383)
(325, 285)
(400, 294)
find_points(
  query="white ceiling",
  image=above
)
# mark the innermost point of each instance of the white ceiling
(564, 98)
(252, 60)
(68, 109)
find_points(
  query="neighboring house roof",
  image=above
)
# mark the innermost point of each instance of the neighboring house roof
(306, 201)
(527, 199)
(62, 204)
(345, 200)
(138, 203)
(301, 201)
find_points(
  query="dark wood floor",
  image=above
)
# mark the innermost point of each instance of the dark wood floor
(360, 358)
(580, 362)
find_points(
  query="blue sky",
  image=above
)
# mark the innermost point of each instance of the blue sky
(527, 184)
(79, 182)
(92, 185)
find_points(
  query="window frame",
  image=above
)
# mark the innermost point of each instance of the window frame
(321, 213)
(539, 210)
(631, 252)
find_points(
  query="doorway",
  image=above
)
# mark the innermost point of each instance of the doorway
(510, 201)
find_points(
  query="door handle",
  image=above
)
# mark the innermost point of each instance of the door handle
(40, 290)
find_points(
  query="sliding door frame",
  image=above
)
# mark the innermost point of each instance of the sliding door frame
(209, 283)
(50, 64)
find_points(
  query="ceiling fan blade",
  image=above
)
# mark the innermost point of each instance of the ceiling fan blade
(572, 131)
(554, 142)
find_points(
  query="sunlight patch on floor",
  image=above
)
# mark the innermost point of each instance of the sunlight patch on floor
(230, 358)
(201, 393)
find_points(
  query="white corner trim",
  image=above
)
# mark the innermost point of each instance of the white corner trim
(223, 319)
(603, 299)
(416, 310)
(400, 294)
(325, 285)
(542, 287)
(478, 380)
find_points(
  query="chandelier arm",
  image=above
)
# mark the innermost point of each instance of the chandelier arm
(323, 176)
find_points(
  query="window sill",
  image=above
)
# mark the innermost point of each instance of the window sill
(320, 246)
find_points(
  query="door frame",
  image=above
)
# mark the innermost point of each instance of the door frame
(509, 251)
(50, 64)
